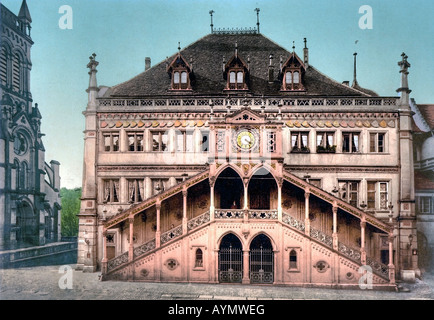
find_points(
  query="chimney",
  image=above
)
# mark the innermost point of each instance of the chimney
(271, 70)
(147, 63)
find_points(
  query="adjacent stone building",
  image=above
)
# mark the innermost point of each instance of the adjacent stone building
(235, 160)
(29, 187)
(424, 179)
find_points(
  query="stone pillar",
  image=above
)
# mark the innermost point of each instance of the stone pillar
(212, 200)
(131, 239)
(335, 227)
(362, 241)
(246, 202)
(391, 264)
(158, 231)
(279, 199)
(246, 278)
(306, 211)
(184, 211)
(104, 252)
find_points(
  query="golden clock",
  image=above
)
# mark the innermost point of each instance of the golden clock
(245, 139)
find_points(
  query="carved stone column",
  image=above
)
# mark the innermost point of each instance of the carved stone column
(246, 193)
(246, 278)
(391, 264)
(279, 198)
(184, 211)
(158, 231)
(104, 252)
(212, 200)
(362, 241)
(131, 239)
(335, 227)
(306, 211)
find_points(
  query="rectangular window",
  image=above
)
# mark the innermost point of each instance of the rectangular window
(204, 145)
(325, 142)
(424, 205)
(350, 142)
(349, 191)
(184, 141)
(300, 142)
(159, 141)
(135, 141)
(111, 141)
(378, 195)
(377, 142)
(111, 191)
(136, 191)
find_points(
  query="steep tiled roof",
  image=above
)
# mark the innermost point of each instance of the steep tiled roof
(207, 60)
(427, 111)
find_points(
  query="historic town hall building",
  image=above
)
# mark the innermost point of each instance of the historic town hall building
(235, 160)
(29, 186)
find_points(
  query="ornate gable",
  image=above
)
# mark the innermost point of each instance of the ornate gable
(180, 72)
(292, 74)
(246, 116)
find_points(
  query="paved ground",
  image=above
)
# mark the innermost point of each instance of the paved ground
(47, 283)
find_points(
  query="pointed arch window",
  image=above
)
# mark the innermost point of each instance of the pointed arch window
(4, 66)
(16, 72)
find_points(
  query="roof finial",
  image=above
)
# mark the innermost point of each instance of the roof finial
(293, 46)
(305, 43)
(236, 49)
(212, 26)
(257, 17)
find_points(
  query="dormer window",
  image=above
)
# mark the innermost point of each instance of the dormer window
(236, 80)
(292, 72)
(180, 73)
(236, 73)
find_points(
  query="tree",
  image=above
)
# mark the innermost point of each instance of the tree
(70, 209)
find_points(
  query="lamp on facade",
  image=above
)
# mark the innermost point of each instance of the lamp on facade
(390, 206)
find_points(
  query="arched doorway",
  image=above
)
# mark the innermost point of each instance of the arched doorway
(230, 259)
(27, 232)
(262, 191)
(261, 259)
(229, 190)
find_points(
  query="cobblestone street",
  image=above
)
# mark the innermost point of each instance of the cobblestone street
(47, 283)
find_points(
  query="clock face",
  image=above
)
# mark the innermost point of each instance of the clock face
(245, 139)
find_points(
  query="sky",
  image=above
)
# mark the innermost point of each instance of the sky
(123, 32)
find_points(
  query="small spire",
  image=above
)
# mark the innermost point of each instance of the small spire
(212, 26)
(24, 13)
(236, 49)
(293, 47)
(257, 18)
(179, 47)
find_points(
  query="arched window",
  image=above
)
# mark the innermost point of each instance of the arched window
(16, 72)
(292, 259)
(199, 258)
(240, 77)
(4, 66)
(17, 174)
(183, 77)
(24, 176)
(288, 78)
(296, 77)
(176, 78)
(232, 77)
